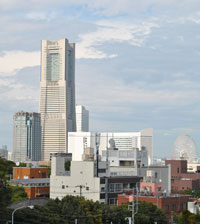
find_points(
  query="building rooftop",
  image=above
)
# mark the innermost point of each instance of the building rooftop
(31, 181)
(33, 167)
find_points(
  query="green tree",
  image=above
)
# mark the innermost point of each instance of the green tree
(88, 212)
(8, 194)
(17, 194)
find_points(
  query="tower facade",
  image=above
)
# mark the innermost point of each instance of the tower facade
(57, 95)
(26, 137)
(82, 119)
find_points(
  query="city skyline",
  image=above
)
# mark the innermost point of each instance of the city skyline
(137, 64)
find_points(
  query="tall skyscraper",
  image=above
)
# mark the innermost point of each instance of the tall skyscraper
(26, 137)
(57, 95)
(82, 118)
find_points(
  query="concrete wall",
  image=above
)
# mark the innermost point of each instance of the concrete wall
(82, 174)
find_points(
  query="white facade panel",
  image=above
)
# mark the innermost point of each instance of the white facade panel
(78, 141)
(82, 174)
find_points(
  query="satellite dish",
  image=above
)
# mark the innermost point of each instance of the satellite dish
(184, 148)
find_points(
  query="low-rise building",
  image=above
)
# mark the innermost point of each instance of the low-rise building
(169, 203)
(34, 188)
(152, 191)
(90, 179)
(157, 174)
(34, 180)
(181, 179)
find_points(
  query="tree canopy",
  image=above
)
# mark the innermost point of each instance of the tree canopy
(88, 212)
(8, 194)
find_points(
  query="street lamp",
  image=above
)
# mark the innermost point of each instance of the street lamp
(29, 206)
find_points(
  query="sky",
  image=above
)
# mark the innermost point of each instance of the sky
(137, 63)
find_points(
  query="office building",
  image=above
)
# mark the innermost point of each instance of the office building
(26, 137)
(82, 119)
(84, 180)
(143, 140)
(57, 95)
(4, 152)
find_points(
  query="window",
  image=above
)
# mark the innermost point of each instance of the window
(102, 181)
(112, 201)
(102, 170)
(166, 207)
(43, 175)
(102, 189)
(63, 186)
(115, 187)
(111, 188)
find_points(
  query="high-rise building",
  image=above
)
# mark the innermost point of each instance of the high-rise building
(57, 95)
(122, 141)
(82, 118)
(4, 152)
(26, 137)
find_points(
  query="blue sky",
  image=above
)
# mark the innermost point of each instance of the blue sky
(137, 63)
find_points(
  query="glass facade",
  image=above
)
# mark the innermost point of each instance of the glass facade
(26, 137)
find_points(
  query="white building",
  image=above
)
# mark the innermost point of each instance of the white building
(88, 179)
(10, 157)
(82, 118)
(80, 181)
(125, 162)
(57, 95)
(78, 141)
(4, 152)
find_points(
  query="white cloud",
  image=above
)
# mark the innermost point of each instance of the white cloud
(116, 32)
(12, 61)
(42, 15)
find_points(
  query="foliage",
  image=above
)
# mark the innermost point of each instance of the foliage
(87, 212)
(149, 213)
(186, 217)
(49, 169)
(22, 165)
(6, 167)
(17, 194)
(195, 193)
(67, 165)
(8, 194)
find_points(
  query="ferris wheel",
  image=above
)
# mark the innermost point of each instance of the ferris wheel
(184, 148)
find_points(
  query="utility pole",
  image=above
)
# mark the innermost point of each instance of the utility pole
(133, 207)
(106, 177)
(80, 186)
(97, 138)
